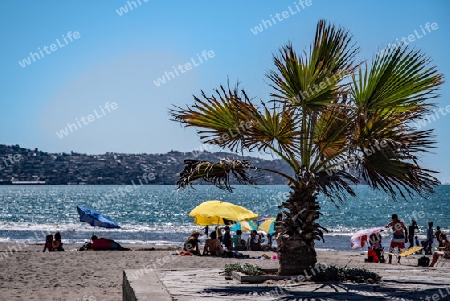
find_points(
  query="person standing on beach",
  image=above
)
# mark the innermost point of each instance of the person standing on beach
(399, 238)
(437, 234)
(411, 229)
(430, 238)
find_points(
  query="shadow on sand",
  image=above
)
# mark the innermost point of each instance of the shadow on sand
(333, 291)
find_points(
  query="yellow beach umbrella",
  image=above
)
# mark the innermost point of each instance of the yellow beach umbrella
(410, 251)
(214, 212)
(268, 226)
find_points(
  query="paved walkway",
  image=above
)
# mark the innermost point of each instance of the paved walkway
(398, 284)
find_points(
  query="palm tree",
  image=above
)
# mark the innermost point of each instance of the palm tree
(333, 121)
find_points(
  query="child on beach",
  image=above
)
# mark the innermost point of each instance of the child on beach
(48, 243)
(57, 244)
(375, 249)
(416, 241)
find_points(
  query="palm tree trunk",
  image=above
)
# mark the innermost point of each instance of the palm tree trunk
(296, 252)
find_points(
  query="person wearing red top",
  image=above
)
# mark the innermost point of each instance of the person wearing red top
(104, 244)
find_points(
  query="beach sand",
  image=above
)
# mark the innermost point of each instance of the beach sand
(30, 274)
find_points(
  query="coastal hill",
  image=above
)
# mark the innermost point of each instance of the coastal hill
(25, 166)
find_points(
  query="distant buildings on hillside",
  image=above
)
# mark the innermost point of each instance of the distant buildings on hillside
(24, 166)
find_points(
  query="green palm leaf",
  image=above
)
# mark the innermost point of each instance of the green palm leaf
(314, 82)
(388, 96)
(226, 116)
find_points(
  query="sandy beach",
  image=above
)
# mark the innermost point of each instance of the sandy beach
(31, 274)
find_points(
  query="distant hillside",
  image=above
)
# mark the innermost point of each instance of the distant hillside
(25, 166)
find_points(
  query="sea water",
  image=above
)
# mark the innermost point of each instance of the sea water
(158, 215)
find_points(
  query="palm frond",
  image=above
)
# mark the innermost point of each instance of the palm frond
(312, 83)
(400, 79)
(273, 129)
(224, 117)
(216, 173)
(333, 184)
(388, 96)
(331, 135)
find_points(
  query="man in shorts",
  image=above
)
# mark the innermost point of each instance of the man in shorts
(400, 236)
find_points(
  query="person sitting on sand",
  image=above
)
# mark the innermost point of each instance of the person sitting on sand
(57, 244)
(254, 242)
(219, 234)
(277, 235)
(227, 240)
(238, 242)
(268, 245)
(104, 244)
(48, 243)
(400, 236)
(213, 246)
(375, 245)
(191, 243)
(445, 250)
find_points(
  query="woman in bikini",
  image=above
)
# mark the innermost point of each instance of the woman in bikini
(445, 250)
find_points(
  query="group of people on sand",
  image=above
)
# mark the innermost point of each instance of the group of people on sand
(53, 243)
(400, 238)
(224, 244)
(96, 244)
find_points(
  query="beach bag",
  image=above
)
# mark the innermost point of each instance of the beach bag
(372, 256)
(423, 261)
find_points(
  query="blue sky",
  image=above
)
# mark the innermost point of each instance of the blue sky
(117, 57)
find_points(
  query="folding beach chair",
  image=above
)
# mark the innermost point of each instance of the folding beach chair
(408, 252)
